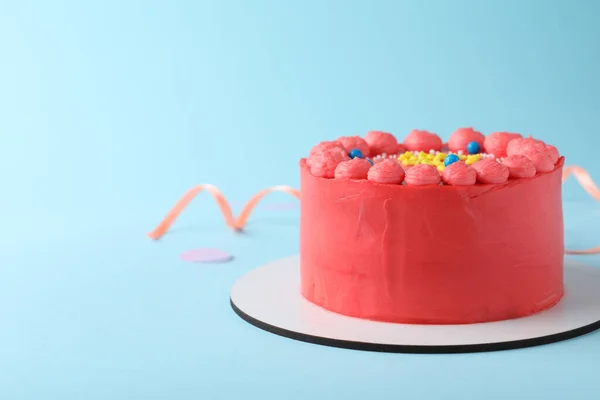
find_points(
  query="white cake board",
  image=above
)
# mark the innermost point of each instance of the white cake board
(269, 298)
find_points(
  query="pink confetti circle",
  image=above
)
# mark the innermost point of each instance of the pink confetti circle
(206, 256)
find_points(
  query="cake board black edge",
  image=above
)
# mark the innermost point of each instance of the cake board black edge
(416, 349)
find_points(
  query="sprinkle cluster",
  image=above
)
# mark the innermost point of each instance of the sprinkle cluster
(438, 158)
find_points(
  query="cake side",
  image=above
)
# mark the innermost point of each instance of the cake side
(405, 254)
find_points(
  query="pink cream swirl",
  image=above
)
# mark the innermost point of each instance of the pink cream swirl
(462, 137)
(459, 174)
(423, 174)
(418, 140)
(381, 142)
(320, 148)
(354, 142)
(323, 163)
(497, 142)
(491, 171)
(519, 166)
(357, 168)
(386, 171)
(553, 152)
(542, 160)
(530, 145)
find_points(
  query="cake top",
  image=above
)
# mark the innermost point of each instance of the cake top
(468, 158)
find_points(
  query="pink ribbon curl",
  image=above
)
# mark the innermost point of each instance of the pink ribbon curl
(588, 184)
(234, 223)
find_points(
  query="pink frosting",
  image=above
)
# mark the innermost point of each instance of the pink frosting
(491, 171)
(459, 174)
(387, 171)
(497, 142)
(553, 152)
(400, 149)
(542, 160)
(354, 142)
(423, 174)
(529, 146)
(324, 163)
(320, 148)
(381, 142)
(519, 166)
(357, 168)
(520, 146)
(325, 146)
(525, 144)
(462, 137)
(418, 140)
(514, 146)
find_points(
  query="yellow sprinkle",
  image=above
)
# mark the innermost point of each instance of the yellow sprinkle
(472, 159)
(430, 156)
(441, 168)
(462, 158)
(406, 162)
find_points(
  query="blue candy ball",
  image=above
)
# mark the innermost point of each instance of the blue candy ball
(473, 148)
(355, 153)
(450, 159)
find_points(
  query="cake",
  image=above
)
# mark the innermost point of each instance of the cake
(422, 232)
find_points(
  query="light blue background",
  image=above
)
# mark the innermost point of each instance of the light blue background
(110, 110)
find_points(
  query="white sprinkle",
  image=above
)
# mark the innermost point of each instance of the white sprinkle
(431, 151)
(460, 152)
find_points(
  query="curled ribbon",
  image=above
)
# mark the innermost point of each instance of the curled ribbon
(587, 183)
(237, 224)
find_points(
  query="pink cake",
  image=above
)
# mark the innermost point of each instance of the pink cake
(427, 233)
